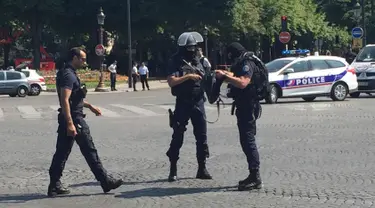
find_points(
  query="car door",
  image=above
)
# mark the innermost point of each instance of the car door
(12, 81)
(2, 83)
(295, 82)
(321, 76)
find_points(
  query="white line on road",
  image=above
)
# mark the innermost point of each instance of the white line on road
(54, 107)
(1, 115)
(108, 113)
(136, 110)
(28, 112)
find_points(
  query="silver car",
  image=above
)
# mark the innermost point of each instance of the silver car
(13, 83)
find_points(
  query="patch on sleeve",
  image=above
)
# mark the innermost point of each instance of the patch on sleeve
(246, 68)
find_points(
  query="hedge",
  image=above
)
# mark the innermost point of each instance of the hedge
(83, 74)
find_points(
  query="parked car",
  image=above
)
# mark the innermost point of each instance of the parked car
(309, 77)
(14, 83)
(364, 65)
(37, 82)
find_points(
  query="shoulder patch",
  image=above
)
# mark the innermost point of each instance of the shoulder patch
(246, 68)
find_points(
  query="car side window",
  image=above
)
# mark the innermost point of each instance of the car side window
(13, 76)
(300, 66)
(335, 64)
(319, 65)
(2, 76)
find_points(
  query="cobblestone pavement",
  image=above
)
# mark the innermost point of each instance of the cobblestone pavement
(317, 154)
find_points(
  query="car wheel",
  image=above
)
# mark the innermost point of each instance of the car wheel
(309, 99)
(35, 90)
(22, 91)
(273, 96)
(355, 94)
(339, 91)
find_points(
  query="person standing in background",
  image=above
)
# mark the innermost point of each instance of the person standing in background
(112, 70)
(143, 72)
(135, 75)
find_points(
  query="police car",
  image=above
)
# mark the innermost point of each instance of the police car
(310, 77)
(364, 65)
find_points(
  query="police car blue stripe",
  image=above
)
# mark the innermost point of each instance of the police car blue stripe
(310, 81)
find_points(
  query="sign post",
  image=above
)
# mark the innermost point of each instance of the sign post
(99, 50)
(284, 37)
(357, 34)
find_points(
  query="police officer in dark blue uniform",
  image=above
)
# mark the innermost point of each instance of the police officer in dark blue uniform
(73, 128)
(185, 79)
(247, 108)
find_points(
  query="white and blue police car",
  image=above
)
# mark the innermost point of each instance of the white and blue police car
(309, 77)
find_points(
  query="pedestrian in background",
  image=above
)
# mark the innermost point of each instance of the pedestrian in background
(135, 76)
(143, 72)
(113, 71)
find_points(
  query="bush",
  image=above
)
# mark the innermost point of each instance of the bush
(83, 74)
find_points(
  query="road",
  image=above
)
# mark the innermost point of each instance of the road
(317, 154)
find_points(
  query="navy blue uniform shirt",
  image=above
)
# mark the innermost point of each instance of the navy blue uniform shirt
(246, 68)
(67, 79)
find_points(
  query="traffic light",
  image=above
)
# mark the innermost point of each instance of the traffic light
(284, 23)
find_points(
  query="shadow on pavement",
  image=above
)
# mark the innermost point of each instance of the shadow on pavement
(161, 192)
(127, 182)
(22, 198)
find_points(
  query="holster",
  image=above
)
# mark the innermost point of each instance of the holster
(171, 118)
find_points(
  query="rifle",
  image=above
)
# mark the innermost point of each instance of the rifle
(189, 69)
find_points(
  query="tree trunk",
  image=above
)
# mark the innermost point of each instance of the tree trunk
(6, 55)
(36, 28)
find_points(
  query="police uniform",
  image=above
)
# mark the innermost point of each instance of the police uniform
(189, 105)
(68, 79)
(247, 111)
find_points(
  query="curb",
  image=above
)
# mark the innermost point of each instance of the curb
(153, 80)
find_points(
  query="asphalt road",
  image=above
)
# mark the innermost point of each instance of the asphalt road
(317, 154)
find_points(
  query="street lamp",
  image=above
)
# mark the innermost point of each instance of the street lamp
(357, 12)
(205, 34)
(101, 17)
(130, 64)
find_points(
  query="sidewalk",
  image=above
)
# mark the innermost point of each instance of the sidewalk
(154, 84)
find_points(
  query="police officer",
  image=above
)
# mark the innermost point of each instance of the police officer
(247, 109)
(72, 127)
(187, 88)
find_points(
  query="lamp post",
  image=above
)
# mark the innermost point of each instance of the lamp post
(130, 64)
(101, 17)
(205, 34)
(357, 12)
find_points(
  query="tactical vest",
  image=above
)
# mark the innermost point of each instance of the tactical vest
(189, 89)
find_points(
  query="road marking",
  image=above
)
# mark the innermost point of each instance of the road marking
(108, 113)
(166, 107)
(54, 107)
(136, 110)
(28, 112)
(1, 115)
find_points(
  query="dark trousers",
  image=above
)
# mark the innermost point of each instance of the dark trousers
(246, 121)
(64, 146)
(135, 77)
(113, 81)
(183, 112)
(144, 80)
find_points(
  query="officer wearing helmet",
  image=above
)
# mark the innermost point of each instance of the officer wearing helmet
(185, 79)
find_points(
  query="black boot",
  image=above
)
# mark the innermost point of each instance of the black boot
(110, 184)
(253, 181)
(173, 172)
(203, 172)
(56, 188)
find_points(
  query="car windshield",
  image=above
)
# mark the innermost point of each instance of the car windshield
(277, 64)
(367, 54)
